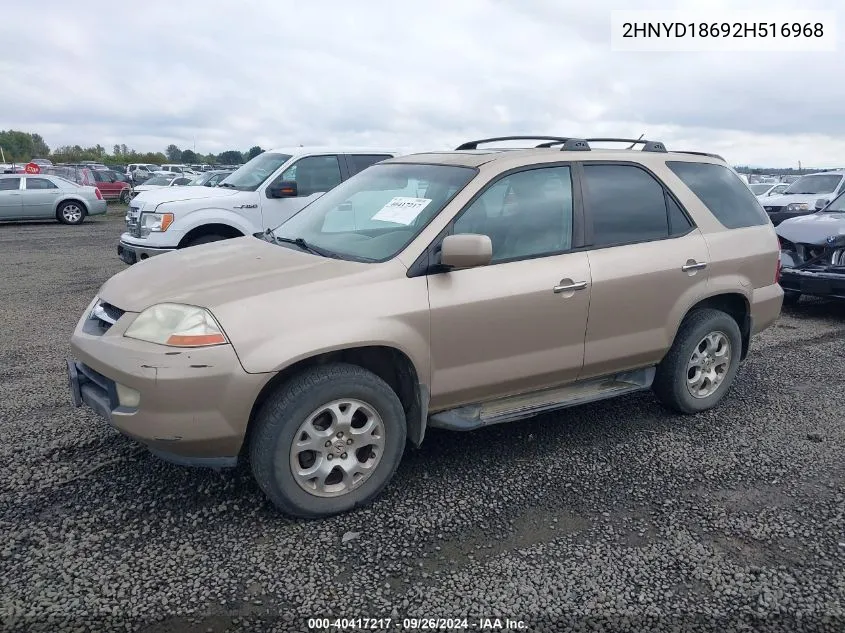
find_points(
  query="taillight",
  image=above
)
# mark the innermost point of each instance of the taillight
(777, 270)
(98, 194)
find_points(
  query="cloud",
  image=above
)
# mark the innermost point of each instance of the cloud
(415, 74)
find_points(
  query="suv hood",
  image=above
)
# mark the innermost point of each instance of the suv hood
(812, 229)
(178, 194)
(221, 273)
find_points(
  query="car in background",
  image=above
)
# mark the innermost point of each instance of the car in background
(93, 165)
(139, 173)
(160, 182)
(44, 196)
(110, 186)
(806, 195)
(813, 253)
(262, 194)
(176, 169)
(765, 189)
(42, 162)
(210, 178)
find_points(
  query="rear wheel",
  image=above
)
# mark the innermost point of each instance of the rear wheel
(204, 239)
(124, 196)
(702, 363)
(70, 212)
(327, 441)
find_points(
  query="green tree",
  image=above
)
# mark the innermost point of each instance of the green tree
(253, 152)
(116, 151)
(173, 153)
(189, 156)
(230, 157)
(39, 147)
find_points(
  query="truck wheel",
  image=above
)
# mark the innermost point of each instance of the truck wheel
(327, 441)
(702, 363)
(124, 196)
(791, 298)
(70, 212)
(204, 239)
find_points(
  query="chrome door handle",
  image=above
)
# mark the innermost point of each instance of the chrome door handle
(580, 285)
(694, 266)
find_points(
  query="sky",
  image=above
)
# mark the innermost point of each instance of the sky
(410, 75)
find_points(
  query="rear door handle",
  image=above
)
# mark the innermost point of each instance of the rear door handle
(578, 285)
(693, 265)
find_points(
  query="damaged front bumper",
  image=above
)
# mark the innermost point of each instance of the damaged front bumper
(819, 282)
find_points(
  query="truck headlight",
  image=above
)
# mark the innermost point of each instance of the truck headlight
(155, 222)
(177, 325)
(798, 206)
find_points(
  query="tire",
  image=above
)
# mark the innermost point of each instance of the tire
(285, 416)
(124, 196)
(71, 212)
(791, 298)
(671, 379)
(204, 239)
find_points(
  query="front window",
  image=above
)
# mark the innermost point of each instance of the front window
(815, 185)
(252, 175)
(159, 180)
(376, 213)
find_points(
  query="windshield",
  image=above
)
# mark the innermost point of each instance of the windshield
(255, 172)
(159, 180)
(200, 180)
(815, 184)
(376, 213)
(758, 189)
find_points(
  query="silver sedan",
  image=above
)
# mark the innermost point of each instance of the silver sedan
(38, 197)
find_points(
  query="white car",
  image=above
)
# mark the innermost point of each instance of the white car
(766, 189)
(260, 195)
(806, 195)
(160, 182)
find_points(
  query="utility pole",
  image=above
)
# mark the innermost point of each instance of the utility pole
(799, 165)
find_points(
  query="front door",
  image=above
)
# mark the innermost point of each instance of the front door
(516, 325)
(313, 175)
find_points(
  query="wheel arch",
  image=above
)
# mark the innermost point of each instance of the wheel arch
(70, 198)
(213, 228)
(735, 304)
(389, 363)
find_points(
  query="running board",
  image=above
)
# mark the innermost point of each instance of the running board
(474, 416)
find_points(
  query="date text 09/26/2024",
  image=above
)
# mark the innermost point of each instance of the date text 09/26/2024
(416, 624)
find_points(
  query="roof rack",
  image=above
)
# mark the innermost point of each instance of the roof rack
(648, 146)
(495, 139)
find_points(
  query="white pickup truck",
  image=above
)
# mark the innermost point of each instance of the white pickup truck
(262, 194)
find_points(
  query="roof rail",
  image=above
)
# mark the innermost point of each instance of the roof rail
(648, 146)
(679, 151)
(475, 144)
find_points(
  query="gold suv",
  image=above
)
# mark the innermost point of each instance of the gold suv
(452, 290)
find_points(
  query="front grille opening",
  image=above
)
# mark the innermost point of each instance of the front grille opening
(105, 315)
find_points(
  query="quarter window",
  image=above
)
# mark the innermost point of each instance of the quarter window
(626, 204)
(526, 214)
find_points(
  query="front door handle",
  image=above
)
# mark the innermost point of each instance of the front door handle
(570, 287)
(693, 265)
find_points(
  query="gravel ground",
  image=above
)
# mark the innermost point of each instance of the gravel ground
(613, 516)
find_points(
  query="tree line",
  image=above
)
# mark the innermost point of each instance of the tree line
(21, 147)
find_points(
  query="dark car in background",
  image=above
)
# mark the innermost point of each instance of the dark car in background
(813, 253)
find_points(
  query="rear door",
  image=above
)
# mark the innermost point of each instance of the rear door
(647, 260)
(359, 162)
(516, 325)
(10, 198)
(39, 197)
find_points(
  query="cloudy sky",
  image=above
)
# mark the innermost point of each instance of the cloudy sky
(409, 74)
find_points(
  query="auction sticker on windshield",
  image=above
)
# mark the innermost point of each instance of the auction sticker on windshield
(402, 210)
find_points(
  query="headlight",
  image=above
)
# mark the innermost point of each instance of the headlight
(798, 206)
(177, 325)
(155, 222)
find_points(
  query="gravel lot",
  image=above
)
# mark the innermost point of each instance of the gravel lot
(614, 516)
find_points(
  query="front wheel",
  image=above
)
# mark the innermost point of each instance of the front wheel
(702, 363)
(328, 441)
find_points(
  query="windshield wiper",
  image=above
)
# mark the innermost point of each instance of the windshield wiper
(301, 243)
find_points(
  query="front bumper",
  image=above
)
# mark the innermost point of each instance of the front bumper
(131, 253)
(809, 282)
(194, 403)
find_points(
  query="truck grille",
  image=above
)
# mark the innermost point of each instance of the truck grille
(133, 224)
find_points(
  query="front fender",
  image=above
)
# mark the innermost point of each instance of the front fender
(187, 221)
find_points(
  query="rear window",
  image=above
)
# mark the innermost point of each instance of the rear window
(722, 192)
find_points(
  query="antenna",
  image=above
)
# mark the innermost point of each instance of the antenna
(639, 139)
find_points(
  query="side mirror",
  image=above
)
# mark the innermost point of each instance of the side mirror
(821, 203)
(284, 189)
(466, 251)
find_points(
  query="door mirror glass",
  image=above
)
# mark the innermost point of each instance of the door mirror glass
(821, 203)
(467, 250)
(282, 189)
